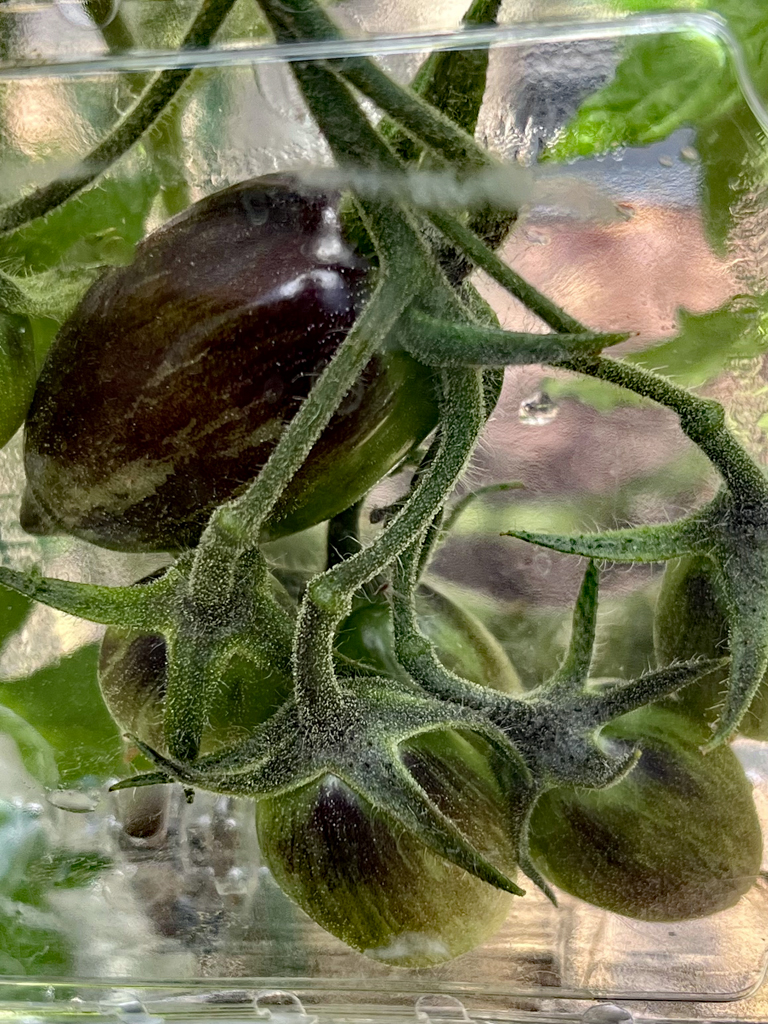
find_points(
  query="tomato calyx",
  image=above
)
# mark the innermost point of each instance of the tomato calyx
(731, 533)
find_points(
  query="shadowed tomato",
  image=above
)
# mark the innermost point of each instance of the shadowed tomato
(691, 622)
(168, 388)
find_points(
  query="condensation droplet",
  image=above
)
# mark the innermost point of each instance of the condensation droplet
(538, 410)
(73, 800)
(606, 1013)
(233, 883)
(666, 161)
(689, 154)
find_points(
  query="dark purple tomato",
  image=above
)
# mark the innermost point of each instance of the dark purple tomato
(168, 388)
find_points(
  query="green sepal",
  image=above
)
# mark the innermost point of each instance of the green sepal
(357, 740)
(146, 778)
(144, 608)
(449, 344)
(640, 544)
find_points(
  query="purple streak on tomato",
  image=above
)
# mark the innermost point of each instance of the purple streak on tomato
(168, 388)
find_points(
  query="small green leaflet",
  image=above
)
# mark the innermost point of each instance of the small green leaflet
(703, 348)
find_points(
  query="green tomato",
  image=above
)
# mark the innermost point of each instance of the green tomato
(372, 884)
(690, 622)
(132, 679)
(464, 645)
(677, 838)
(18, 372)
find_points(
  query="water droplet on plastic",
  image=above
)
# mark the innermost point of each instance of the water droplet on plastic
(606, 1013)
(73, 800)
(129, 1010)
(689, 154)
(96, 16)
(441, 1008)
(233, 883)
(280, 1006)
(538, 410)
(666, 161)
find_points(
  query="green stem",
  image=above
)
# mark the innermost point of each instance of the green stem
(487, 260)
(702, 420)
(127, 132)
(144, 608)
(442, 343)
(452, 81)
(306, 20)
(233, 527)
(328, 596)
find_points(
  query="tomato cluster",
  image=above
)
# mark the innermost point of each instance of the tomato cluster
(266, 358)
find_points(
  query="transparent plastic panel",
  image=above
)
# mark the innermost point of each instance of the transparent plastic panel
(627, 158)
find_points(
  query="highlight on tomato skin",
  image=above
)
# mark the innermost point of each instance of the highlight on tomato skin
(677, 838)
(167, 389)
(375, 886)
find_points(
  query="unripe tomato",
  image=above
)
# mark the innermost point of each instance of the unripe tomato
(677, 838)
(168, 388)
(375, 886)
(690, 621)
(462, 642)
(132, 678)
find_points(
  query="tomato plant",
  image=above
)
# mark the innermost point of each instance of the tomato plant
(265, 358)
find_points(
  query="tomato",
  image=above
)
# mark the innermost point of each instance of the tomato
(169, 386)
(132, 678)
(690, 621)
(374, 885)
(677, 838)
(17, 372)
(463, 643)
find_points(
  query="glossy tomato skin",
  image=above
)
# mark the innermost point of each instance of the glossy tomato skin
(373, 885)
(167, 389)
(691, 622)
(677, 838)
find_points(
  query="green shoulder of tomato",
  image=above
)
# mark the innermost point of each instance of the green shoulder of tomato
(677, 838)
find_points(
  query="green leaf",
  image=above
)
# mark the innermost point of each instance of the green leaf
(36, 754)
(662, 84)
(18, 372)
(703, 348)
(671, 81)
(707, 342)
(97, 227)
(63, 703)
